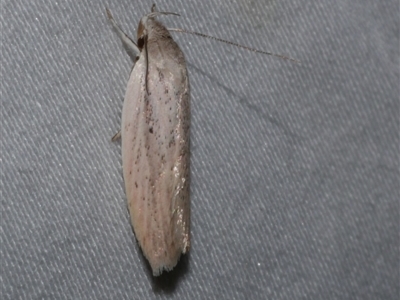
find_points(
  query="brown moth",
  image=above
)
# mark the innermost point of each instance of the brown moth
(155, 140)
(155, 143)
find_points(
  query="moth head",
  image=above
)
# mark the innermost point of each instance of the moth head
(145, 22)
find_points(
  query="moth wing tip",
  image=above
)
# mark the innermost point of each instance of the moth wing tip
(157, 271)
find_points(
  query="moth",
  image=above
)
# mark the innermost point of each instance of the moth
(156, 141)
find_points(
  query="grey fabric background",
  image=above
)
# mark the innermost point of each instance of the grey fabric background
(295, 168)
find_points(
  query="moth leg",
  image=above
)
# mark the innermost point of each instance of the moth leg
(116, 136)
(129, 45)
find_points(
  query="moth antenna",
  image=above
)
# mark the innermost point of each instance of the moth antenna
(158, 13)
(234, 44)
